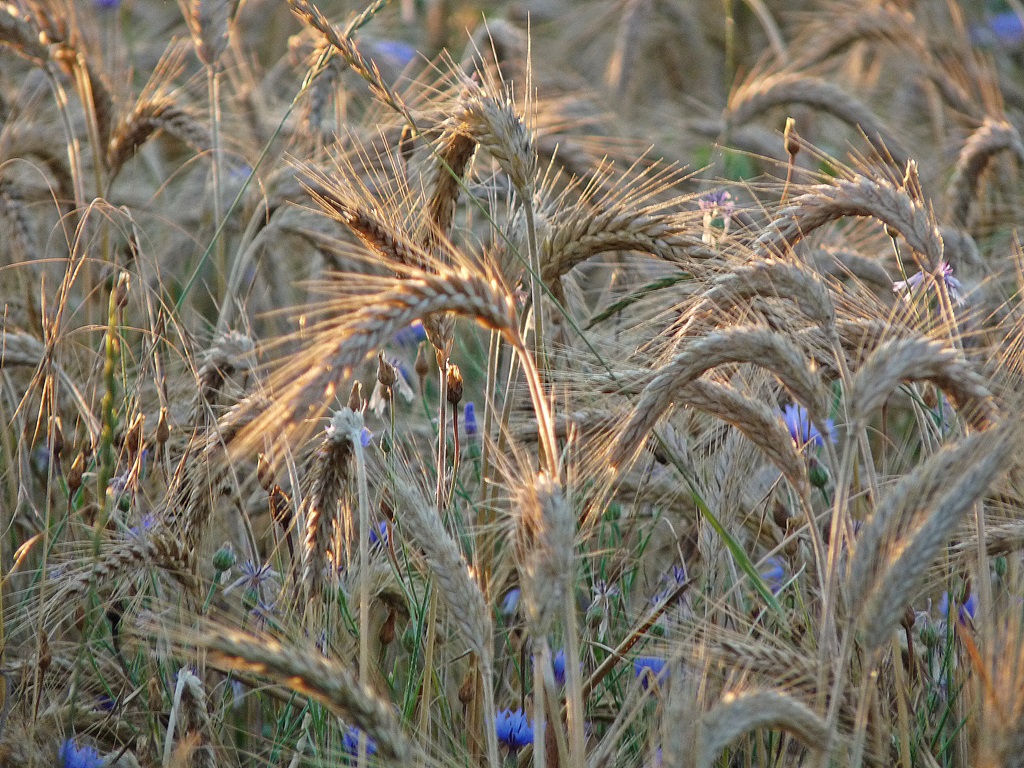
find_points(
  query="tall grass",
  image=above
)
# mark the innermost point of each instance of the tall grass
(629, 384)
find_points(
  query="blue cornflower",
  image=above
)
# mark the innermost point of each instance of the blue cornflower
(774, 574)
(803, 432)
(646, 667)
(945, 271)
(966, 611)
(253, 577)
(558, 663)
(72, 756)
(107, 5)
(379, 534)
(365, 436)
(514, 729)
(511, 602)
(350, 742)
(469, 419)
(411, 335)
(1003, 29)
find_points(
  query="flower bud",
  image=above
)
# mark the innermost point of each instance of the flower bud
(817, 474)
(224, 558)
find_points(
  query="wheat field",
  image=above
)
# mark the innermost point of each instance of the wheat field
(567, 384)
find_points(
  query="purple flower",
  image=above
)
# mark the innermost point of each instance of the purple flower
(718, 201)
(803, 432)
(107, 5)
(469, 419)
(365, 436)
(647, 667)
(1003, 29)
(350, 742)
(253, 577)
(515, 731)
(714, 205)
(72, 756)
(953, 286)
(966, 611)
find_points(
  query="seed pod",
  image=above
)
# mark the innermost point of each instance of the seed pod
(57, 447)
(387, 374)
(75, 475)
(454, 384)
(133, 438)
(386, 636)
(163, 428)
(121, 290)
(467, 691)
(355, 398)
(422, 367)
(264, 473)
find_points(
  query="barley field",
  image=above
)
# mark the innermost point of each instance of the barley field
(552, 383)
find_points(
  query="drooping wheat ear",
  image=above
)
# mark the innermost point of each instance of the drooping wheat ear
(122, 559)
(231, 353)
(362, 325)
(373, 229)
(588, 233)
(920, 359)
(331, 471)
(1001, 539)
(740, 713)
(766, 92)
(903, 508)
(455, 584)
(757, 346)
(991, 138)
(856, 196)
(768, 279)
(208, 24)
(307, 671)
(189, 706)
(886, 22)
(15, 213)
(156, 112)
(758, 423)
(908, 558)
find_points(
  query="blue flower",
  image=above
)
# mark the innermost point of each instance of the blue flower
(72, 756)
(350, 742)
(802, 430)
(774, 574)
(107, 5)
(647, 667)
(365, 437)
(966, 611)
(379, 534)
(559, 666)
(411, 335)
(469, 419)
(514, 730)
(1003, 29)
(511, 602)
